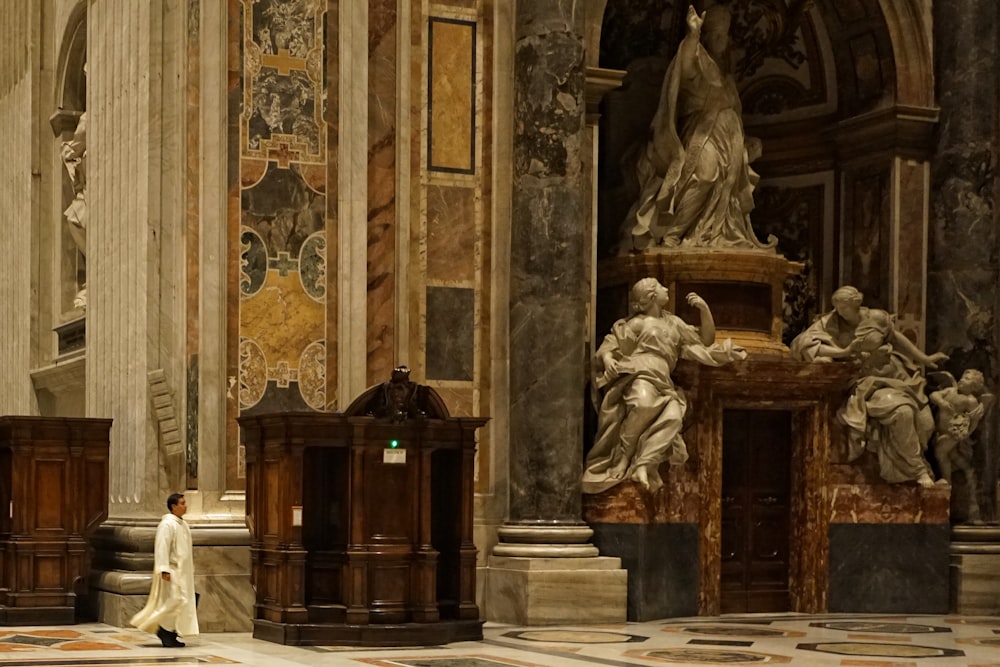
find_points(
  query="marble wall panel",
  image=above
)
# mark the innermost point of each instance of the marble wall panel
(450, 333)
(889, 568)
(448, 232)
(451, 103)
(451, 234)
(911, 256)
(629, 503)
(866, 237)
(279, 252)
(662, 562)
(382, 222)
(889, 503)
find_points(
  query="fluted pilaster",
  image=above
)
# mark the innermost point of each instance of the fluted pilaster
(16, 208)
(135, 207)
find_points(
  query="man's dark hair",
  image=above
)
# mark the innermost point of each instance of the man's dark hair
(172, 500)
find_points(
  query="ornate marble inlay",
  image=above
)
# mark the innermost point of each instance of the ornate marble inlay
(734, 631)
(880, 650)
(575, 636)
(707, 656)
(881, 628)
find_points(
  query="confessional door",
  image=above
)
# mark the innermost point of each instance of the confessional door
(756, 510)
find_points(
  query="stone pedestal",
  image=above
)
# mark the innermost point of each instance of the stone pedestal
(122, 573)
(888, 545)
(745, 290)
(975, 570)
(555, 591)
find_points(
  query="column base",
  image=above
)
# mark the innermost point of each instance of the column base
(121, 575)
(555, 591)
(975, 562)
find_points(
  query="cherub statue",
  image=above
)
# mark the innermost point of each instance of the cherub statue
(961, 407)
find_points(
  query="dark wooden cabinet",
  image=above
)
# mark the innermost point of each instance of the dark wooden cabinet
(53, 494)
(361, 528)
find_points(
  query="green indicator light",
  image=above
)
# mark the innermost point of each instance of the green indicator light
(393, 444)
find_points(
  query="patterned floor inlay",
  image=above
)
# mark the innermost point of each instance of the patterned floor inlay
(881, 628)
(881, 650)
(575, 636)
(798, 640)
(720, 642)
(698, 656)
(63, 640)
(458, 661)
(734, 631)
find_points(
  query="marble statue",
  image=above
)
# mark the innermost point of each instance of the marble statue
(74, 157)
(888, 412)
(694, 174)
(641, 411)
(961, 407)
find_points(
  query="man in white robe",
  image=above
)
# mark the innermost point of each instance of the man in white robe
(170, 609)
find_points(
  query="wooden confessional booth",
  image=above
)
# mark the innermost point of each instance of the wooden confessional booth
(361, 522)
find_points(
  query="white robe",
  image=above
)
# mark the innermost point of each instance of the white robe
(171, 604)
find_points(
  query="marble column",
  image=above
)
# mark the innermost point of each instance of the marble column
(963, 287)
(544, 570)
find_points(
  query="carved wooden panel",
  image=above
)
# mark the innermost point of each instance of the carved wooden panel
(54, 480)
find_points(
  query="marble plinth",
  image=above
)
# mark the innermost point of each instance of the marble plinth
(889, 568)
(662, 561)
(975, 570)
(123, 563)
(555, 591)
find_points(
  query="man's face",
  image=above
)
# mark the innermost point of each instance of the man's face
(181, 508)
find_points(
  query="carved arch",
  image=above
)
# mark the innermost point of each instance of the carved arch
(71, 83)
(593, 22)
(908, 23)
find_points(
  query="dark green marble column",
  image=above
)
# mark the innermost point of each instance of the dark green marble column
(548, 284)
(963, 277)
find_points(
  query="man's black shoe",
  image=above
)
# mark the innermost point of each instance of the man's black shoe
(168, 638)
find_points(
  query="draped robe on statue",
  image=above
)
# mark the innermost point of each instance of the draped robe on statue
(171, 604)
(646, 349)
(695, 176)
(888, 412)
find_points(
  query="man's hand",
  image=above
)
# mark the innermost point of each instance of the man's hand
(165, 575)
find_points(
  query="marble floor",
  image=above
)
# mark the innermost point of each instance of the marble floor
(787, 639)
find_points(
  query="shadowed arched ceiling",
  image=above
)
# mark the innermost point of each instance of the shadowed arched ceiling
(833, 57)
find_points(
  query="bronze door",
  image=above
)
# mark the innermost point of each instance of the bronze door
(756, 500)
